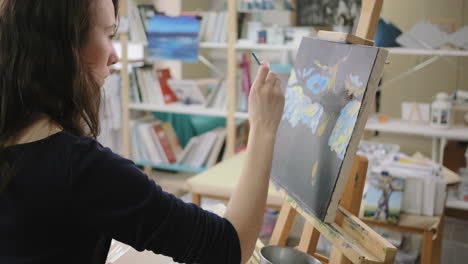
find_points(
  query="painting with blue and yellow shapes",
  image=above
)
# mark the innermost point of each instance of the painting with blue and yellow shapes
(173, 38)
(325, 97)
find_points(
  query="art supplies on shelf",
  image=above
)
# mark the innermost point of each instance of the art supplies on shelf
(155, 144)
(425, 186)
(441, 109)
(376, 153)
(415, 112)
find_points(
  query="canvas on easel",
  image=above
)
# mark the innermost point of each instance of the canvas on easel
(328, 98)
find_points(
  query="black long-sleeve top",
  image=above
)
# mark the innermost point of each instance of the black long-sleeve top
(70, 196)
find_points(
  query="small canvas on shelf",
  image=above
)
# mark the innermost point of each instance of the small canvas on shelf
(382, 199)
(173, 38)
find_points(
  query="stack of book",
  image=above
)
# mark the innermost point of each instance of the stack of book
(155, 142)
(139, 14)
(156, 87)
(213, 27)
(204, 150)
(150, 86)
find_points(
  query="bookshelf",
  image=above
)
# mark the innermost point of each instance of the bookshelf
(131, 52)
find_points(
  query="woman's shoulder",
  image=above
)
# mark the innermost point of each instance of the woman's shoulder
(79, 148)
(87, 152)
(76, 142)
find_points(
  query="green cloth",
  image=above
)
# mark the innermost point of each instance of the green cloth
(188, 126)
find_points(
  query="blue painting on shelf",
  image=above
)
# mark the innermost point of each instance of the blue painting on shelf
(173, 38)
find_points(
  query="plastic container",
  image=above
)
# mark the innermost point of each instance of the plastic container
(440, 111)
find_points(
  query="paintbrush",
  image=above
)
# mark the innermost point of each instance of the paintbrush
(256, 59)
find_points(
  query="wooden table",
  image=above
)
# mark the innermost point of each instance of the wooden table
(430, 227)
(219, 181)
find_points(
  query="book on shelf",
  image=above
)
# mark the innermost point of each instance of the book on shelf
(155, 142)
(218, 148)
(139, 13)
(213, 26)
(187, 91)
(147, 87)
(204, 150)
(136, 25)
(164, 142)
(157, 87)
(173, 140)
(164, 75)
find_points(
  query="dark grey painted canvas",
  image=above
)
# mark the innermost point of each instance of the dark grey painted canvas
(324, 99)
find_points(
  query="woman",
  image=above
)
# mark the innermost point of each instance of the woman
(63, 196)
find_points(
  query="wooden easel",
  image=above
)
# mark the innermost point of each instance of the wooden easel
(353, 241)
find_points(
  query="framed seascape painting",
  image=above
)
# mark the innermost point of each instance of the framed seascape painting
(328, 99)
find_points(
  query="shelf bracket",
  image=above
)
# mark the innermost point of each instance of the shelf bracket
(407, 73)
(211, 66)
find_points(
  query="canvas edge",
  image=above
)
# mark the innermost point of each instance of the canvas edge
(372, 85)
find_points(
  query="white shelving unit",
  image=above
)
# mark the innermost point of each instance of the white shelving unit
(403, 127)
(428, 52)
(439, 136)
(247, 46)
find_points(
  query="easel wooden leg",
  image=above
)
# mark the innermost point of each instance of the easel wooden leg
(283, 225)
(309, 239)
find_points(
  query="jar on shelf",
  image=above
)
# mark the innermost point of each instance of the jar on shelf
(440, 111)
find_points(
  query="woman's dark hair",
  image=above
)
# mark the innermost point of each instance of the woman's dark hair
(42, 68)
